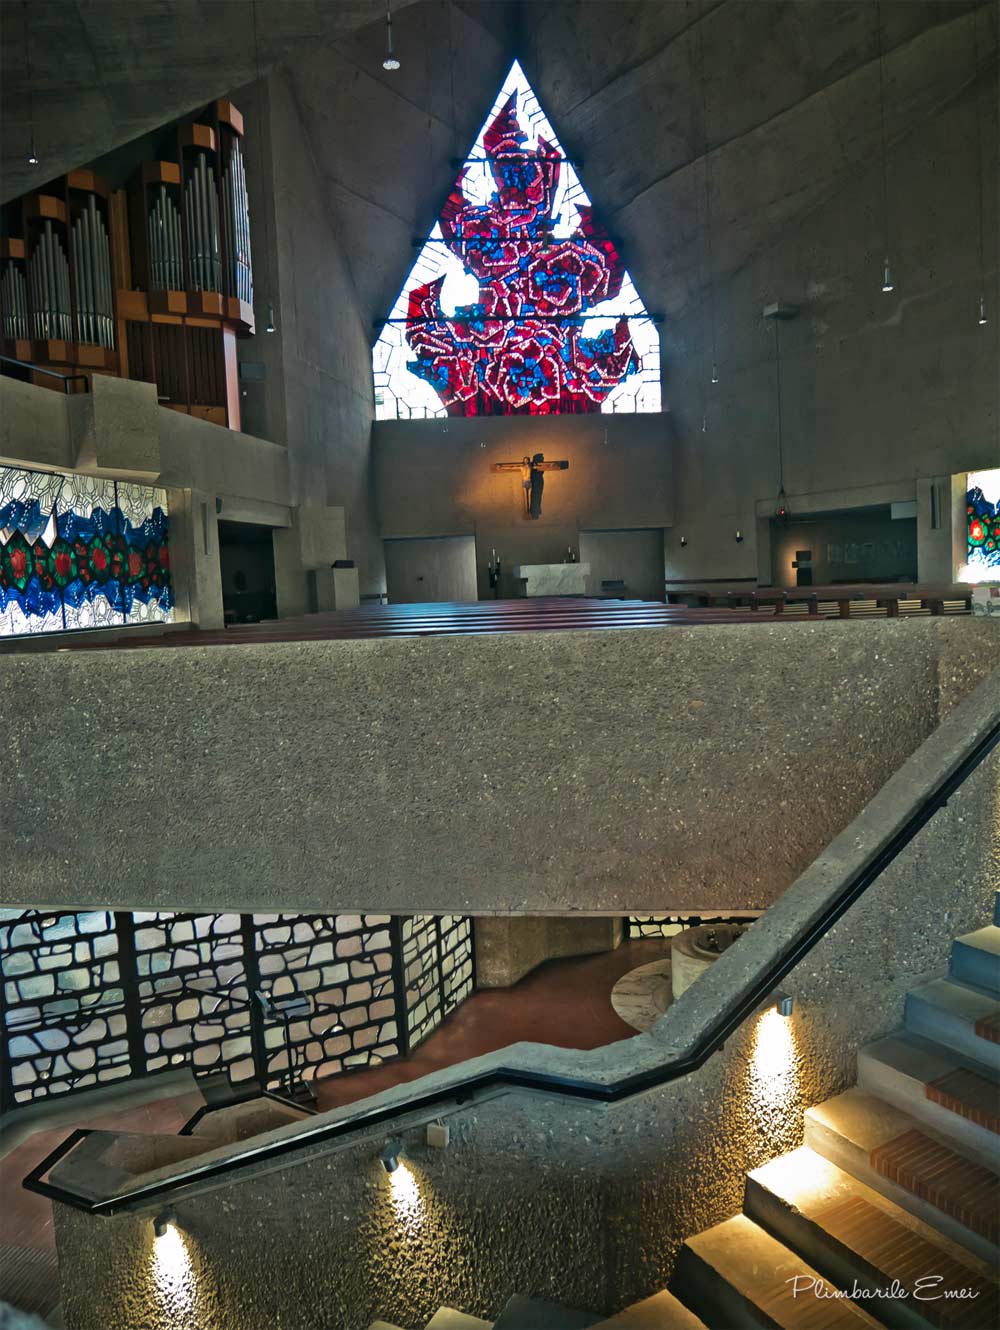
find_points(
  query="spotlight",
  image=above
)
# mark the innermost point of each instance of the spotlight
(982, 311)
(389, 1156)
(886, 278)
(163, 1221)
(684, 541)
(784, 1004)
(269, 326)
(739, 537)
(32, 158)
(715, 374)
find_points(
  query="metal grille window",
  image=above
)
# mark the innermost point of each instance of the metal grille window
(667, 925)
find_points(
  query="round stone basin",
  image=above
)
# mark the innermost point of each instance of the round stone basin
(694, 950)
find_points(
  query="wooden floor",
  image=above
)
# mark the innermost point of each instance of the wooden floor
(566, 1003)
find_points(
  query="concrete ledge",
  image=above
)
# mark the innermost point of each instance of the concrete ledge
(608, 772)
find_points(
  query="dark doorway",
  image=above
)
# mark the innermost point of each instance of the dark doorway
(246, 555)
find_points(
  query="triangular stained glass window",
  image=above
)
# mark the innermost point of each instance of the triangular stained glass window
(518, 303)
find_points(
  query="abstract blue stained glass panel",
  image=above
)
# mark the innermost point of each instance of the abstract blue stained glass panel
(80, 552)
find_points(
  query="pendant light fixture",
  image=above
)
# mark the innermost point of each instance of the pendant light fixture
(32, 157)
(269, 326)
(887, 283)
(982, 320)
(778, 313)
(390, 62)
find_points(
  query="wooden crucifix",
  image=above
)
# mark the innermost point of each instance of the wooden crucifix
(532, 471)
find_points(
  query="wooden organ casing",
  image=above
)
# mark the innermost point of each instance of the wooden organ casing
(153, 281)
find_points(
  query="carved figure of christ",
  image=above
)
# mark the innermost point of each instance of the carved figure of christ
(532, 471)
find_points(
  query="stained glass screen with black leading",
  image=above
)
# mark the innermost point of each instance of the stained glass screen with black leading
(519, 302)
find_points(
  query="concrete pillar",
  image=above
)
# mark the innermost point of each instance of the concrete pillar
(316, 539)
(934, 530)
(194, 557)
(116, 429)
(508, 948)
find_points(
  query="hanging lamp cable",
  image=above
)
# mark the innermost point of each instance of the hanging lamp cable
(887, 282)
(29, 76)
(269, 326)
(982, 317)
(708, 203)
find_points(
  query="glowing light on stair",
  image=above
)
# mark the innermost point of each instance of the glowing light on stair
(407, 1203)
(173, 1275)
(773, 1074)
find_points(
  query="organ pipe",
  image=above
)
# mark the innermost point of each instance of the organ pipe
(91, 252)
(49, 287)
(14, 301)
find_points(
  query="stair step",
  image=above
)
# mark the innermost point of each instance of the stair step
(736, 1275)
(912, 1165)
(975, 958)
(942, 1090)
(660, 1312)
(446, 1318)
(859, 1239)
(532, 1314)
(962, 1018)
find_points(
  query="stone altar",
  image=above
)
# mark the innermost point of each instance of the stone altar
(553, 579)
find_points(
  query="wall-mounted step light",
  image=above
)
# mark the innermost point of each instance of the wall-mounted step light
(163, 1221)
(389, 1155)
(783, 1004)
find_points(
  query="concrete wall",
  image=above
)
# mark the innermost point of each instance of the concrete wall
(577, 1204)
(877, 389)
(667, 770)
(355, 161)
(508, 949)
(431, 570)
(434, 478)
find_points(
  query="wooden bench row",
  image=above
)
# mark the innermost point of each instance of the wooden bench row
(887, 596)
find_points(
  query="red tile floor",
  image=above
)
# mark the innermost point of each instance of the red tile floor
(566, 1003)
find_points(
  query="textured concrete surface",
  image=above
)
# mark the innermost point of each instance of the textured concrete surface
(622, 772)
(508, 949)
(104, 73)
(576, 1204)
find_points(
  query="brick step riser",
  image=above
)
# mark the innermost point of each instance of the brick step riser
(846, 1155)
(910, 1096)
(944, 1027)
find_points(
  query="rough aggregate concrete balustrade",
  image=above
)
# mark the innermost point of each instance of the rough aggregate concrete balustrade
(580, 1205)
(649, 771)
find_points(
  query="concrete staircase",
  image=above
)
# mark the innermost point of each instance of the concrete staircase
(887, 1215)
(897, 1182)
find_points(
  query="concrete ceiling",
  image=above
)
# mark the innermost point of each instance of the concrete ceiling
(103, 72)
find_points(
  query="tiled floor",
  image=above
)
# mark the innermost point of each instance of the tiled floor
(566, 1003)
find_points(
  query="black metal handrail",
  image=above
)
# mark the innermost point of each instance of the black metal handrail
(576, 1088)
(67, 379)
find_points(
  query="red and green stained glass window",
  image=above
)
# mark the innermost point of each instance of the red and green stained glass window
(519, 302)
